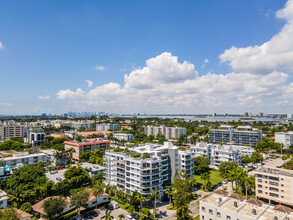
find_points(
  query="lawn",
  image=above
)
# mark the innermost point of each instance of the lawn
(215, 177)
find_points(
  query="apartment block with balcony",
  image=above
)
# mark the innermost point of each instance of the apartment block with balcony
(137, 174)
(9, 129)
(224, 134)
(285, 138)
(220, 153)
(123, 136)
(106, 127)
(86, 146)
(243, 135)
(222, 206)
(24, 158)
(3, 199)
(167, 132)
(35, 136)
(274, 185)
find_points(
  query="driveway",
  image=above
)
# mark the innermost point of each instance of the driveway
(115, 213)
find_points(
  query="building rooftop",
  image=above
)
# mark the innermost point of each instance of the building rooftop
(87, 142)
(275, 171)
(271, 214)
(3, 195)
(38, 207)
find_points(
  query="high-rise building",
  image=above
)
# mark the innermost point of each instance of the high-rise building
(223, 134)
(146, 167)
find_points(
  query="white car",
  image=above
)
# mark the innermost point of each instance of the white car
(128, 217)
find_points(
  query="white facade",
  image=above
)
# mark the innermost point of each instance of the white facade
(285, 138)
(122, 136)
(9, 129)
(3, 199)
(24, 158)
(168, 132)
(106, 127)
(143, 175)
(35, 136)
(221, 153)
(243, 135)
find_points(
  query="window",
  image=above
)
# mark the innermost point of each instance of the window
(219, 214)
(202, 217)
(203, 209)
(228, 217)
(210, 212)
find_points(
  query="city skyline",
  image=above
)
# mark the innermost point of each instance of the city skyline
(152, 57)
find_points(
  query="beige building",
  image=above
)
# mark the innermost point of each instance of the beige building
(10, 131)
(274, 185)
(221, 206)
(86, 146)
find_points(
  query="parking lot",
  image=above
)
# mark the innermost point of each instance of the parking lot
(115, 213)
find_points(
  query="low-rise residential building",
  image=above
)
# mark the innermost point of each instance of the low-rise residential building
(86, 146)
(94, 133)
(38, 207)
(59, 135)
(5, 171)
(222, 206)
(3, 199)
(92, 169)
(285, 138)
(274, 185)
(24, 158)
(217, 153)
(106, 127)
(23, 215)
(80, 125)
(123, 136)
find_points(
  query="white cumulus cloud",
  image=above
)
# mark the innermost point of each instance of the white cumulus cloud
(44, 97)
(100, 68)
(89, 83)
(260, 80)
(273, 55)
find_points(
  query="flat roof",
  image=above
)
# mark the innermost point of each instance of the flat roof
(247, 210)
(270, 214)
(78, 144)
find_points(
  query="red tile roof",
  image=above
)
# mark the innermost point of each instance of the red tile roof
(78, 144)
(255, 201)
(88, 133)
(38, 207)
(282, 208)
(23, 214)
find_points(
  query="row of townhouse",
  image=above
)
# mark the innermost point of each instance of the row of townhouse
(146, 173)
(243, 135)
(168, 132)
(222, 206)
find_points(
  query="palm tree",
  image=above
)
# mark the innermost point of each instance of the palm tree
(97, 190)
(69, 152)
(121, 216)
(153, 197)
(141, 199)
(169, 192)
(206, 178)
(107, 215)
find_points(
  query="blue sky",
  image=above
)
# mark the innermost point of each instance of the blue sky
(53, 46)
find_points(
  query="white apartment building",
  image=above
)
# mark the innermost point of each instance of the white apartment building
(24, 158)
(3, 199)
(5, 171)
(217, 153)
(221, 206)
(106, 127)
(285, 138)
(9, 129)
(35, 136)
(143, 175)
(274, 185)
(243, 135)
(123, 136)
(168, 132)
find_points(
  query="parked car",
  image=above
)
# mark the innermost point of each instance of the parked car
(128, 217)
(110, 207)
(214, 187)
(136, 216)
(88, 215)
(94, 213)
(220, 184)
(76, 218)
(225, 182)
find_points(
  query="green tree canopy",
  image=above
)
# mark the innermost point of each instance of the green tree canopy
(77, 177)
(226, 167)
(54, 206)
(201, 165)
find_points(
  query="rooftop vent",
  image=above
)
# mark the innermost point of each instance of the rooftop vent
(275, 218)
(235, 204)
